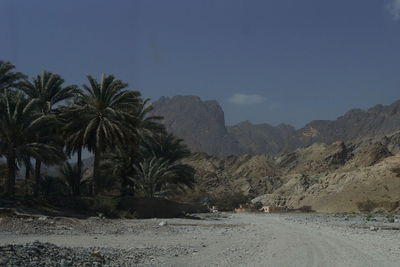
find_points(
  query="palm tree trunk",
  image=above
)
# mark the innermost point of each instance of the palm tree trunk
(96, 171)
(79, 177)
(27, 174)
(124, 185)
(38, 178)
(11, 173)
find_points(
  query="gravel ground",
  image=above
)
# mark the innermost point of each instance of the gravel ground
(216, 240)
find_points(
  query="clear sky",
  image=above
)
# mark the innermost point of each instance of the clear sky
(268, 61)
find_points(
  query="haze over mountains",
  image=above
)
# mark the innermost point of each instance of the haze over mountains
(202, 126)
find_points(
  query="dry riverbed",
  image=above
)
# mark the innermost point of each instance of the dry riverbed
(215, 240)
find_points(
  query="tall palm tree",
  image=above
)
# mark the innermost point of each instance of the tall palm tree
(72, 133)
(105, 112)
(18, 126)
(121, 159)
(8, 78)
(46, 90)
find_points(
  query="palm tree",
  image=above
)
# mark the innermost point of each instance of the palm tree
(165, 146)
(157, 176)
(8, 79)
(72, 175)
(146, 125)
(105, 112)
(46, 91)
(18, 126)
(73, 132)
(121, 159)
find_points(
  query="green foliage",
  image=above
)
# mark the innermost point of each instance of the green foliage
(46, 90)
(155, 176)
(105, 114)
(154, 168)
(19, 125)
(229, 201)
(165, 146)
(40, 118)
(8, 78)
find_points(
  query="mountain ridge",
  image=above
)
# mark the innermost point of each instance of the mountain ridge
(202, 125)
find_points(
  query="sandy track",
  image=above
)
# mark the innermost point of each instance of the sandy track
(243, 240)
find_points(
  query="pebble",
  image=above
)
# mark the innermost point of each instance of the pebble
(47, 254)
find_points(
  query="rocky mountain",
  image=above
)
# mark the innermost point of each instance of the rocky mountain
(202, 125)
(355, 124)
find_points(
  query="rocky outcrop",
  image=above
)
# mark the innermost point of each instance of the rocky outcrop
(251, 175)
(200, 123)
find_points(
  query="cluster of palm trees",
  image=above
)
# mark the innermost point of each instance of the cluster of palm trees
(44, 121)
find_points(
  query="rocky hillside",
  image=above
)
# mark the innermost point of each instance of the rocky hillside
(202, 125)
(336, 177)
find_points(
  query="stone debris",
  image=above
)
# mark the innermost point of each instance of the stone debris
(47, 254)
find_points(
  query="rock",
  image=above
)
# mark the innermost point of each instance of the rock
(163, 223)
(42, 218)
(46, 254)
(372, 228)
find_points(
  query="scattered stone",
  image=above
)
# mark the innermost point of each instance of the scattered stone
(47, 254)
(163, 223)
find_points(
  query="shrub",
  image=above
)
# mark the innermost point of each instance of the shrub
(367, 206)
(106, 206)
(390, 218)
(229, 201)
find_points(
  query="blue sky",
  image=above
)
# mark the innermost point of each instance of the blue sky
(265, 61)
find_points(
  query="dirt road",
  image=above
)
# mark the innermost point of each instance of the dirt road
(238, 240)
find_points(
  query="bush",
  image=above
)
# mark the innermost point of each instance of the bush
(229, 201)
(390, 218)
(105, 206)
(367, 206)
